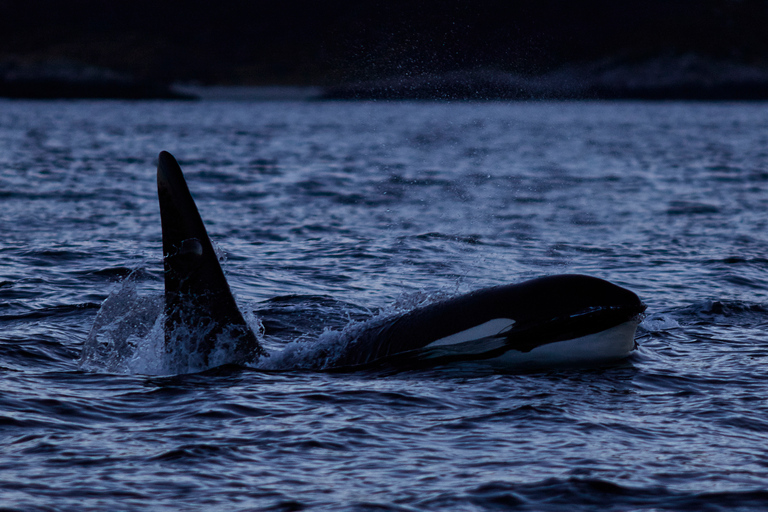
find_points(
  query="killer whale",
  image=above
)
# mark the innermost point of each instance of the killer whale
(560, 319)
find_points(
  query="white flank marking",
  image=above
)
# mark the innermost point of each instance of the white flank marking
(609, 345)
(489, 328)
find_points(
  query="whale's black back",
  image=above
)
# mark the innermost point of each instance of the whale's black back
(544, 310)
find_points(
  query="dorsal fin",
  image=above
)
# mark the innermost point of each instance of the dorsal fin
(201, 314)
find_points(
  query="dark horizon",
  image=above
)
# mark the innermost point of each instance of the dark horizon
(304, 43)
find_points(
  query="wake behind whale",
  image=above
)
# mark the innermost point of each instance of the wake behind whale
(551, 320)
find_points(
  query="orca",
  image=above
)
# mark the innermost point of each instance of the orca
(552, 320)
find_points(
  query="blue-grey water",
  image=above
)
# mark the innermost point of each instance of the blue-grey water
(330, 213)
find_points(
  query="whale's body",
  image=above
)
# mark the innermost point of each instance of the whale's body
(561, 319)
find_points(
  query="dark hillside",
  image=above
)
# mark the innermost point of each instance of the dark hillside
(327, 43)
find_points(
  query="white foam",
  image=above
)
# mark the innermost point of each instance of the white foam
(659, 323)
(122, 330)
(128, 336)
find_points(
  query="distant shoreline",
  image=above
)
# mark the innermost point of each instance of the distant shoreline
(665, 77)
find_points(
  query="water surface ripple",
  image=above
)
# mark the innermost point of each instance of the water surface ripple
(328, 213)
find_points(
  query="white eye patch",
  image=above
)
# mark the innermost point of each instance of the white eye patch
(490, 328)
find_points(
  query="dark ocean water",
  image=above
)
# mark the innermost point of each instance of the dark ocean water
(330, 213)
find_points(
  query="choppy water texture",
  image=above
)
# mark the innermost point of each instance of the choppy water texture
(329, 213)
